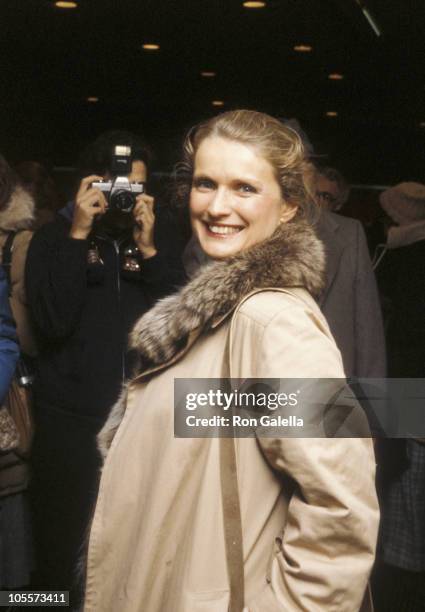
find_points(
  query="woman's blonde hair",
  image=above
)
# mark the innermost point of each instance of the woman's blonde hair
(278, 144)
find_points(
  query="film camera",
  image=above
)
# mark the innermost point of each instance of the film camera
(119, 192)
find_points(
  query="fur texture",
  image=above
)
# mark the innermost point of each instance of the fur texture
(18, 214)
(292, 257)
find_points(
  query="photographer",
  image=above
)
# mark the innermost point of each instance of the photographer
(90, 274)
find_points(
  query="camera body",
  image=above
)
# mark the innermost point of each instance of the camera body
(119, 192)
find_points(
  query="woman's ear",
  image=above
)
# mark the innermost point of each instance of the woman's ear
(288, 212)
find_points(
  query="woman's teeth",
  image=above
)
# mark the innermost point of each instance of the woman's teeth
(223, 229)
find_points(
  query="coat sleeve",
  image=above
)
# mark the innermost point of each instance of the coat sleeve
(55, 279)
(370, 340)
(326, 549)
(9, 349)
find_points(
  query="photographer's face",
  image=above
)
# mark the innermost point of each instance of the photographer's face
(139, 173)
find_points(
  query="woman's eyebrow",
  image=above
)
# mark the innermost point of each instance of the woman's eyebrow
(203, 176)
(247, 179)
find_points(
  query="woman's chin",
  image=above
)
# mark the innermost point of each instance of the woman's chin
(220, 248)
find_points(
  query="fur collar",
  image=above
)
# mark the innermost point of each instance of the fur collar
(18, 213)
(292, 257)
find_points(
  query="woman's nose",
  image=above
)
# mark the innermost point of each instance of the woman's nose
(220, 203)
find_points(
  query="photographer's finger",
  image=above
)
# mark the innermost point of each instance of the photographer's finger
(93, 201)
(149, 217)
(140, 207)
(149, 201)
(86, 183)
(146, 199)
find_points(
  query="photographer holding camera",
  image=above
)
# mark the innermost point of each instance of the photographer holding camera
(90, 275)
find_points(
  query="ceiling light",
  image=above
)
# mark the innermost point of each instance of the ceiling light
(254, 4)
(336, 76)
(422, 124)
(303, 48)
(65, 4)
(93, 99)
(208, 74)
(331, 114)
(150, 47)
(217, 103)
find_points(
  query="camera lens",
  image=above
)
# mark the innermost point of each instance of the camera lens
(123, 200)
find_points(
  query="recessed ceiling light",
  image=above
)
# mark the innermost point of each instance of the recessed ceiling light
(217, 103)
(335, 76)
(254, 4)
(331, 114)
(303, 48)
(150, 47)
(65, 4)
(93, 99)
(208, 74)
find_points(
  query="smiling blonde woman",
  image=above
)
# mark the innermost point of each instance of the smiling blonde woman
(259, 524)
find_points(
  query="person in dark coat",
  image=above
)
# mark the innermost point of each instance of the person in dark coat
(90, 274)
(399, 580)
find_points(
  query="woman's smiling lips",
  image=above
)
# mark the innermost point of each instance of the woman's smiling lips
(220, 230)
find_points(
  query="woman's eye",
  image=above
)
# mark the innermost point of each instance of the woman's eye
(246, 188)
(203, 184)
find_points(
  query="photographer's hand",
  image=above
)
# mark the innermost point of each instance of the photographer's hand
(145, 221)
(89, 202)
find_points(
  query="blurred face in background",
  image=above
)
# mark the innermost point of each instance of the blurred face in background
(235, 199)
(328, 193)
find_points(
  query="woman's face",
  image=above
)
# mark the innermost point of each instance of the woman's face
(235, 200)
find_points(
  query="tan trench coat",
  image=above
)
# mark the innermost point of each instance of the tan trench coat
(157, 540)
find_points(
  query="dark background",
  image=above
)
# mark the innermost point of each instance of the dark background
(51, 60)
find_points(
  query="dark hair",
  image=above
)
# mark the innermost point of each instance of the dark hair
(281, 146)
(97, 157)
(8, 181)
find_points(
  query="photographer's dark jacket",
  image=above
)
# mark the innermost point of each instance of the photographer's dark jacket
(82, 314)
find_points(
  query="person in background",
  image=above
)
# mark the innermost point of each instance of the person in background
(37, 181)
(90, 274)
(399, 579)
(16, 220)
(331, 188)
(350, 300)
